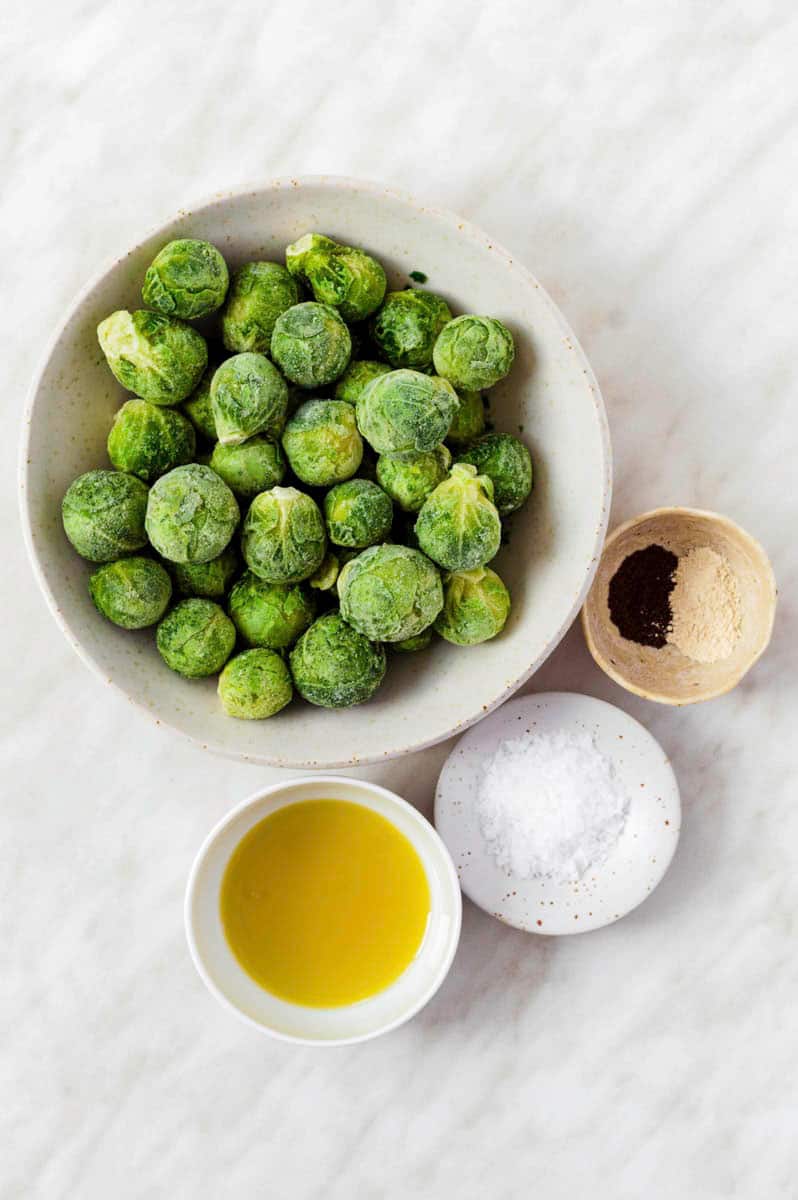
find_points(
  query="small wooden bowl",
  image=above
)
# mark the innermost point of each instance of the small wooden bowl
(667, 675)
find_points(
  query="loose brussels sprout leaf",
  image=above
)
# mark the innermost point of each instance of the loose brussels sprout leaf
(358, 513)
(325, 579)
(322, 442)
(191, 514)
(209, 579)
(474, 352)
(458, 526)
(475, 607)
(283, 539)
(410, 477)
(272, 615)
(248, 396)
(103, 515)
(356, 377)
(255, 685)
(131, 592)
(406, 326)
(188, 279)
(406, 410)
(196, 638)
(159, 358)
(390, 593)
(334, 666)
(506, 461)
(311, 344)
(259, 293)
(148, 440)
(469, 420)
(251, 467)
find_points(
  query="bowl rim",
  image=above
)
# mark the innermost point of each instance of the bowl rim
(366, 788)
(475, 234)
(768, 579)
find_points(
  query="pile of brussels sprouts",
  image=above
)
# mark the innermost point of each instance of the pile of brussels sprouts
(284, 505)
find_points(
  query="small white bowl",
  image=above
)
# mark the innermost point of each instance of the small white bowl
(633, 868)
(229, 983)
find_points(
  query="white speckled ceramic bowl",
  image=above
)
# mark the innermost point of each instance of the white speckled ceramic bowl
(551, 396)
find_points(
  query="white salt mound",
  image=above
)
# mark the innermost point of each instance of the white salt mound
(550, 805)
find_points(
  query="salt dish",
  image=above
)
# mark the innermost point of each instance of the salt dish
(633, 867)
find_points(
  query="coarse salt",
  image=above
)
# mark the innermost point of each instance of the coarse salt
(550, 805)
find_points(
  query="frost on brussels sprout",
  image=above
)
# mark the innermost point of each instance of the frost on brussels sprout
(406, 410)
(209, 579)
(188, 279)
(342, 276)
(103, 514)
(358, 513)
(131, 592)
(159, 358)
(408, 645)
(410, 477)
(469, 420)
(270, 614)
(474, 352)
(296, 255)
(458, 526)
(325, 579)
(406, 326)
(148, 440)
(248, 396)
(191, 514)
(259, 293)
(356, 377)
(334, 666)
(198, 407)
(311, 344)
(255, 685)
(322, 442)
(196, 638)
(283, 539)
(390, 593)
(476, 605)
(506, 462)
(249, 468)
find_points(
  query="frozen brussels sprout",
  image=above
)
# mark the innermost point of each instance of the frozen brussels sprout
(342, 276)
(406, 326)
(390, 593)
(474, 352)
(196, 638)
(334, 666)
(311, 344)
(198, 407)
(270, 614)
(188, 279)
(283, 539)
(191, 514)
(248, 396)
(103, 514)
(131, 592)
(506, 462)
(476, 605)
(148, 440)
(406, 410)
(410, 477)
(159, 358)
(358, 513)
(208, 579)
(322, 442)
(259, 293)
(356, 377)
(297, 254)
(325, 579)
(255, 685)
(251, 467)
(469, 420)
(458, 526)
(409, 645)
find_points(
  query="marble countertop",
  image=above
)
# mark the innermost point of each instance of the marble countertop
(642, 162)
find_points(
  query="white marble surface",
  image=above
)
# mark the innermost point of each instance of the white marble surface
(642, 160)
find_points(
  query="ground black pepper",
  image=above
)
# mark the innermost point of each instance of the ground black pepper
(639, 595)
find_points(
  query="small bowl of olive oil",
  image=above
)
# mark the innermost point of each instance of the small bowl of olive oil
(324, 911)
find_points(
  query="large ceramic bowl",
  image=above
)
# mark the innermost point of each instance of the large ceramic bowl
(550, 396)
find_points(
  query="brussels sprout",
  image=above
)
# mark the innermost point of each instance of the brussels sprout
(356, 377)
(248, 396)
(259, 293)
(474, 352)
(506, 462)
(251, 467)
(297, 254)
(325, 579)
(188, 278)
(410, 477)
(407, 325)
(208, 579)
(458, 526)
(255, 685)
(322, 442)
(198, 407)
(409, 645)
(159, 358)
(476, 605)
(283, 539)
(103, 514)
(311, 344)
(334, 666)
(342, 276)
(389, 593)
(406, 410)
(358, 513)
(191, 514)
(131, 592)
(147, 441)
(196, 638)
(469, 420)
(270, 614)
